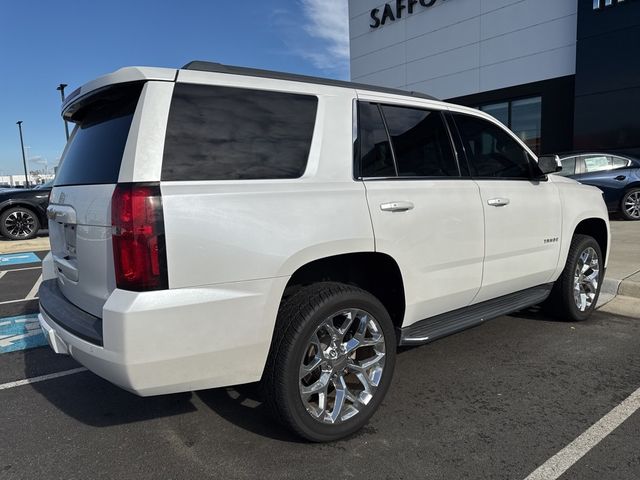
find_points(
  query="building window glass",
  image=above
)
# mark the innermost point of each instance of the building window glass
(499, 111)
(523, 117)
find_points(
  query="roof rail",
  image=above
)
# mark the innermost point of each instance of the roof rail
(253, 72)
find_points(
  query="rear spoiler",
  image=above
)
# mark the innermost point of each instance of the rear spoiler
(124, 75)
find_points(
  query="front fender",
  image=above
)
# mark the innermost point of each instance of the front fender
(579, 203)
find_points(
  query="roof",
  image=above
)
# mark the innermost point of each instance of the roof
(252, 72)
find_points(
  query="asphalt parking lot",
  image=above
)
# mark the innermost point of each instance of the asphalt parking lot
(497, 401)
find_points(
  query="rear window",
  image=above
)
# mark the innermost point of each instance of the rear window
(224, 133)
(94, 152)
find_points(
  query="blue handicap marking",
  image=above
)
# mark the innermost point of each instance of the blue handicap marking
(18, 258)
(20, 333)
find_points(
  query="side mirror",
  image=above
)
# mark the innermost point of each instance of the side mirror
(549, 164)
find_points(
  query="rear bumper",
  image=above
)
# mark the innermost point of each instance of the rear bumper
(175, 340)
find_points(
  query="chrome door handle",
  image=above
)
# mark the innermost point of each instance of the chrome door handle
(396, 206)
(498, 202)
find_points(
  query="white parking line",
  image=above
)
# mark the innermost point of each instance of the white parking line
(41, 378)
(6, 302)
(34, 290)
(19, 270)
(569, 455)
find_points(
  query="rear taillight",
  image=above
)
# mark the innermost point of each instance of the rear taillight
(138, 237)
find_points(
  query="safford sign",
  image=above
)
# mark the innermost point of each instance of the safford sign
(395, 10)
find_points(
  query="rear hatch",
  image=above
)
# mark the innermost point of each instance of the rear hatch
(80, 223)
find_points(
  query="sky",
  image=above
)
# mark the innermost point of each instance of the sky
(45, 43)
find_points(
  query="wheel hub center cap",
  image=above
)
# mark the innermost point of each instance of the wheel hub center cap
(340, 364)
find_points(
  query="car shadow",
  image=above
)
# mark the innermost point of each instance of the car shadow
(534, 313)
(243, 406)
(92, 400)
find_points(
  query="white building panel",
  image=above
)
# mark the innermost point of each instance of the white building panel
(556, 63)
(440, 16)
(394, 77)
(446, 63)
(525, 13)
(457, 35)
(450, 86)
(462, 47)
(530, 41)
(380, 59)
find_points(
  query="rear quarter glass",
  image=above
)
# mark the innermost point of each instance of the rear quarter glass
(94, 152)
(225, 133)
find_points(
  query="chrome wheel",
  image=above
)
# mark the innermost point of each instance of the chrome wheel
(20, 224)
(586, 278)
(632, 205)
(342, 366)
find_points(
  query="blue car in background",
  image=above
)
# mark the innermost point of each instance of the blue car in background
(618, 176)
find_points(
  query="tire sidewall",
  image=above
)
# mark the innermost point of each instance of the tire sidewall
(581, 245)
(8, 212)
(314, 429)
(623, 212)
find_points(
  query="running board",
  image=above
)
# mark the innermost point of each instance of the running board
(451, 322)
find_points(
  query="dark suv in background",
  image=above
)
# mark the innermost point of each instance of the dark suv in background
(618, 176)
(23, 212)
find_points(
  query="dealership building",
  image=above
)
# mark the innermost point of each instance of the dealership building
(562, 74)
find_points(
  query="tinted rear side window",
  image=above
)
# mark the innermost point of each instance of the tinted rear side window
(420, 142)
(94, 152)
(223, 133)
(376, 157)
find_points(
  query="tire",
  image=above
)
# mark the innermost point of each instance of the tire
(562, 302)
(301, 340)
(19, 223)
(630, 205)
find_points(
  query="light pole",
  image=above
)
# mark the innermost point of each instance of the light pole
(61, 88)
(24, 159)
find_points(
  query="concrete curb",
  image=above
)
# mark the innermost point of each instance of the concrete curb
(610, 286)
(627, 287)
(18, 246)
(613, 288)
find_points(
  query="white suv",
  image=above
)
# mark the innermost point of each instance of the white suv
(216, 225)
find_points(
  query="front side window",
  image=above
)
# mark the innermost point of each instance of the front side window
(568, 167)
(523, 117)
(420, 142)
(491, 151)
(224, 133)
